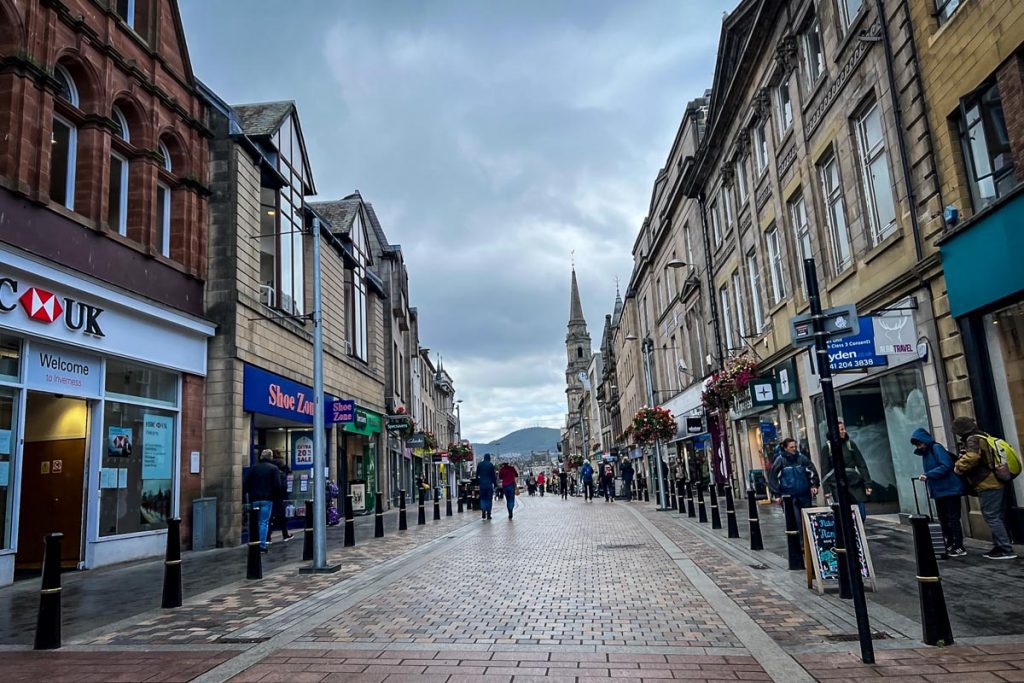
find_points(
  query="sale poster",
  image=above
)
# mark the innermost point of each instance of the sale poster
(302, 450)
(157, 446)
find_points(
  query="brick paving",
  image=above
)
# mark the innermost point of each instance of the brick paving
(103, 667)
(964, 664)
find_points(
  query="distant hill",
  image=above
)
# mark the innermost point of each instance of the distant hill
(521, 441)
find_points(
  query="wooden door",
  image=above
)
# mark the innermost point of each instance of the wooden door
(52, 487)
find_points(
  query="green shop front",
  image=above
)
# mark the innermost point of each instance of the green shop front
(985, 282)
(359, 459)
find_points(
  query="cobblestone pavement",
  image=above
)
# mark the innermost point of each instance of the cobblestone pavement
(567, 591)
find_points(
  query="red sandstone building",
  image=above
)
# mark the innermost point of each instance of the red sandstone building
(103, 214)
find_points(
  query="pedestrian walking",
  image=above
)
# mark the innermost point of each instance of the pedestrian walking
(563, 483)
(858, 479)
(977, 467)
(626, 472)
(587, 474)
(507, 475)
(793, 474)
(262, 485)
(487, 477)
(944, 487)
(541, 480)
(608, 483)
(531, 484)
(278, 517)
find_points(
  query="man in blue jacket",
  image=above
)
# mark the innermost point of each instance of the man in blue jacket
(587, 475)
(487, 477)
(944, 487)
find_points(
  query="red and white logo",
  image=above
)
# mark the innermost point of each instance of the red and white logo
(41, 305)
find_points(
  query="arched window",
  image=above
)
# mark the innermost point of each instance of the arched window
(117, 197)
(63, 143)
(163, 203)
(579, 352)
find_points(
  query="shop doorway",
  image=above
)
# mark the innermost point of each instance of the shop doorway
(53, 477)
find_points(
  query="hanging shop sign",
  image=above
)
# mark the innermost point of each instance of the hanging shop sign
(856, 351)
(894, 334)
(364, 422)
(695, 425)
(342, 411)
(780, 385)
(61, 371)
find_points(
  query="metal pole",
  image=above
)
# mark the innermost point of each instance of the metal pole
(319, 447)
(860, 608)
(647, 344)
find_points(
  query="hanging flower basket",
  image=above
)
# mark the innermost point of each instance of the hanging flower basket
(728, 383)
(575, 460)
(651, 425)
(460, 452)
(429, 442)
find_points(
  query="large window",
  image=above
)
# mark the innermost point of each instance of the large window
(754, 277)
(716, 223)
(139, 449)
(163, 204)
(986, 146)
(63, 144)
(357, 299)
(877, 179)
(727, 203)
(741, 182)
(775, 268)
(741, 313)
(117, 197)
(8, 438)
(811, 52)
(726, 316)
(832, 190)
(944, 9)
(761, 146)
(136, 14)
(848, 11)
(801, 235)
(784, 102)
(290, 254)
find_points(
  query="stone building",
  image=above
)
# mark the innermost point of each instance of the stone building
(103, 209)
(813, 143)
(975, 107)
(260, 294)
(578, 351)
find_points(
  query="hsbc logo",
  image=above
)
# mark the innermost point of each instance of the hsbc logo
(46, 307)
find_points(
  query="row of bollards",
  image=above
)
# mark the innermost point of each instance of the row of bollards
(49, 617)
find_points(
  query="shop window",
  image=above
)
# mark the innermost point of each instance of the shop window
(10, 348)
(137, 470)
(944, 9)
(131, 381)
(986, 146)
(8, 424)
(832, 191)
(63, 144)
(878, 189)
(812, 55)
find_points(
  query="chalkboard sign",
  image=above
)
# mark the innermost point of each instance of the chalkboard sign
(820, 529)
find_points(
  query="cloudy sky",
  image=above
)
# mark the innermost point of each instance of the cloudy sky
(493, 138)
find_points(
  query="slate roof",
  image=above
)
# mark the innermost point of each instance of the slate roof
(340, 213)
(262, 118)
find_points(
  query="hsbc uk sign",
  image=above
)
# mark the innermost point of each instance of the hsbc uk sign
(48, 308)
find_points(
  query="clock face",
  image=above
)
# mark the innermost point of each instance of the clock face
(582, 376)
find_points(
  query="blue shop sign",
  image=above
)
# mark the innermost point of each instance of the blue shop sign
(269, 394)
(856, 351)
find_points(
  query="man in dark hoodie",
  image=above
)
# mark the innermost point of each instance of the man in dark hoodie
(944, 487)
(263, 483)
(488, 478)
(976, 466)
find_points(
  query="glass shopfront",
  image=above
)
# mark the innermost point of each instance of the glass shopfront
(1004, 331)
(10, 348)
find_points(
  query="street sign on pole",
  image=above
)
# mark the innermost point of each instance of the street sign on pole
(839, 321)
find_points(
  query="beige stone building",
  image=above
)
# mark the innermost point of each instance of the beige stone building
(259, 293)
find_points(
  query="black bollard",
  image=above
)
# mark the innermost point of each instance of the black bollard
(172, 566)
(447, 501)
(350, 523)
(681, 496)
(647, 496)
(462, 496)
(48, 620)
(307, 534)
(934, 616)
(690, 511)
(378, 520)
(845, 592)
(402, 524)
(422, 519)
(730, 513)
(796, 554)
(702, 511)
(254, 560)
(437, 505)
(716, 517)
(756, 542)
(671, 496)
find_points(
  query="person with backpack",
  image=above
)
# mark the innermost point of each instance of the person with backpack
(944, 487)
(587, 474)
(977, 465)
(626, 471)
(858, 479)
(793, 474)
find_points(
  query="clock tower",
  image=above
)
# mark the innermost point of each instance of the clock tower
(577, 349)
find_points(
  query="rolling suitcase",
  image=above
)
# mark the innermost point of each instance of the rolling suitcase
(934, 528)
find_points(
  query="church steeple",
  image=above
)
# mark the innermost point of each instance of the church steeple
(575, 307)
(577, 350)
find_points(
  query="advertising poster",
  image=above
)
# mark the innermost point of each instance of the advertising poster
(358, 497)
(370, 470)
(119, 442)
(157, 445)
(303, 483)
(108, 477)
(155, 506)
(302, 450)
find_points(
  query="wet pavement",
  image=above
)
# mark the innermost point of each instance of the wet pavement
(566, 591)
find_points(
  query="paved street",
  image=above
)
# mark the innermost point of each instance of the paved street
(567, 591)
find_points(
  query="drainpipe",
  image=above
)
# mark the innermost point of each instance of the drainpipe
(901, 141)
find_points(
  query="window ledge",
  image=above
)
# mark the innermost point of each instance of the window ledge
(941, 28)
(883, 246)
(841, 277)
(853, 29)
(772, 310)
